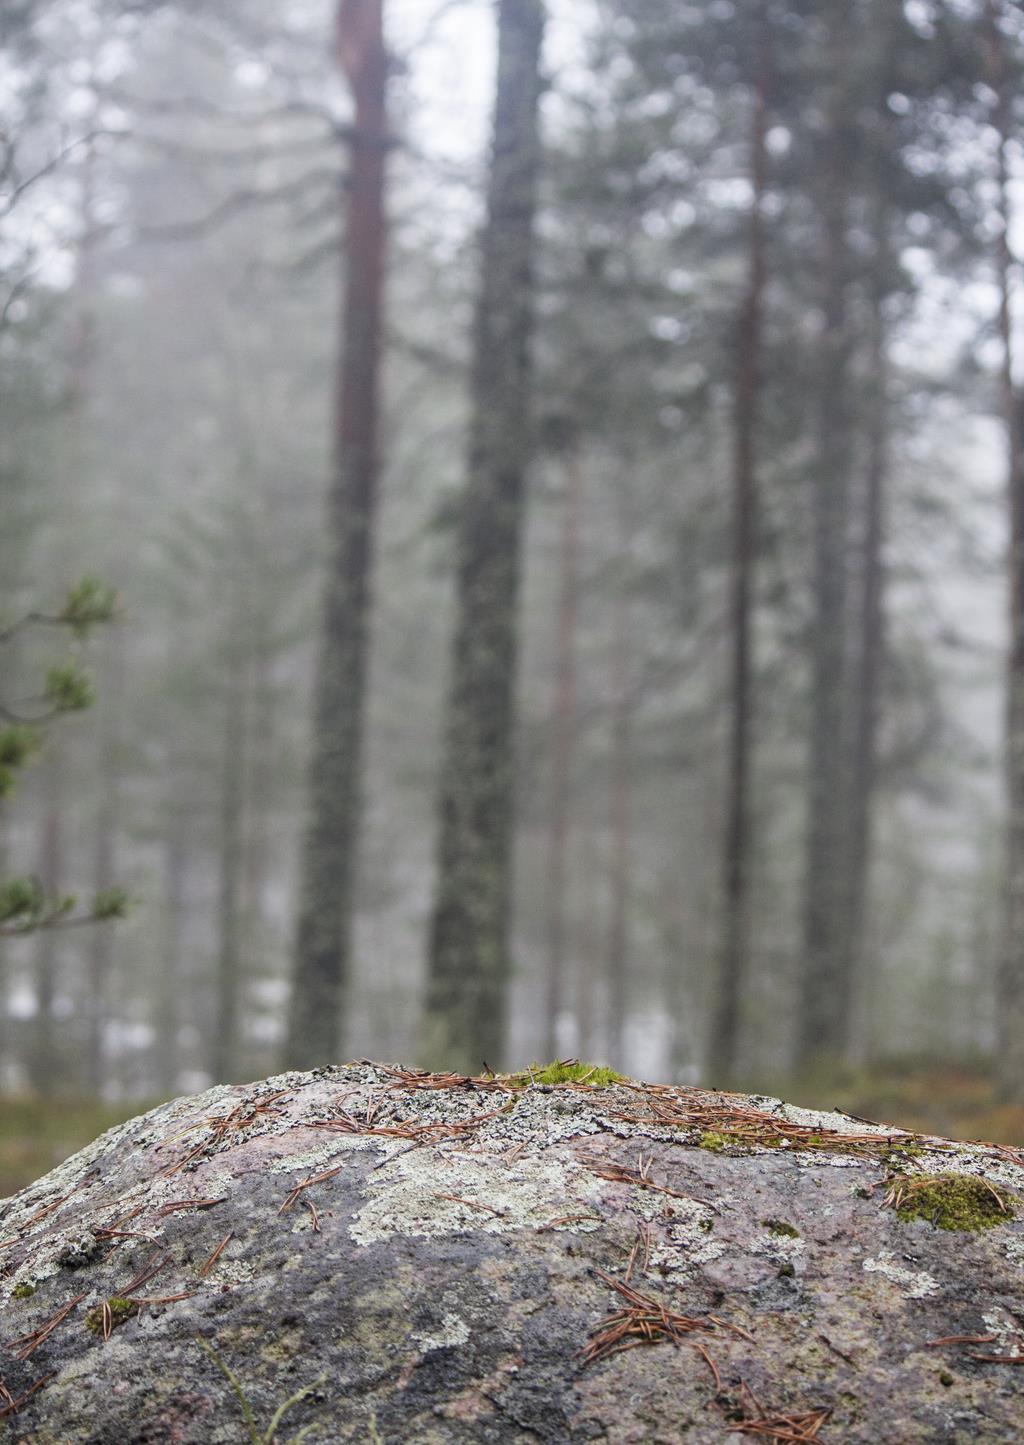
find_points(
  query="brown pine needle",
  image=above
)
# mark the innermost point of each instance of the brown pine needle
(776, 1425)
(205, 1270)
(15, 1405)
(566, 1219)
(780, 1428)
(26, 1345)
(162, 1299)
(408, 1129)
(145, 1274)
(314, 1214)
(306, 1183)
(640, 1177)
(240, 1117)
(176, 1204)
(471, 1203)
(727, 1114)
(959, 1340)
(647, 1321)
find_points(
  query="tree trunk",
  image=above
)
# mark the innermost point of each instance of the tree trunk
(166, 1019)
(224, 1040)
(329, 856)
(564, 731)
(468, 963)
(1010, 985)
(619, 877)
(871, 638)
(102, 939)
(737, 842)
(43, 1062)
(825, 994)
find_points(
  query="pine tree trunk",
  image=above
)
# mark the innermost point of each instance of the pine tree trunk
(43, 1062)
(329, 855)
(871, 641)
(224, 1038)
(825, 994)
(738, 843)
(468, 964)
(1010, 985)
(102, 938)
(166, 1017)
(259, 786)
(619, 878)
(562, 750)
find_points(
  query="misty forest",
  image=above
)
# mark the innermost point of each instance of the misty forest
(512, 548)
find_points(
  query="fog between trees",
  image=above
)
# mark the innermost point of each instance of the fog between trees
(563, 579)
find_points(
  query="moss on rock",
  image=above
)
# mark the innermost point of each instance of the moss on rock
(779, 1226)
(566, 1071)
(120, 1309)
(949, 1201)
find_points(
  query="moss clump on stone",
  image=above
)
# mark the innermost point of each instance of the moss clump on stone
(565, 1071)
(779, 1226)
(24, 1290)
(716, 1142)
(121, 1309)
(948, 1201)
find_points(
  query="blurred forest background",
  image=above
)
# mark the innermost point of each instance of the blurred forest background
(728, 752)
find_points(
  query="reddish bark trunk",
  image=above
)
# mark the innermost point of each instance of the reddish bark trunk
(329, 857)
(738, 843)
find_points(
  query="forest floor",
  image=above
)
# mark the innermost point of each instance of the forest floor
(37, 1134)
(956, 1100)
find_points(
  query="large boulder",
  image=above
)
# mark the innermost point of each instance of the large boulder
(377, 1255)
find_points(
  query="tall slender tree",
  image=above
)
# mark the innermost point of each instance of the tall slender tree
(227, 1010)
(468, 962)
(825, 1002)
(329, 855)
(564, 727)
(1010, 989)
(738, 844)
(620, 799)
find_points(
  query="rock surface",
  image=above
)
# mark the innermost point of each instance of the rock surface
(378, 1255)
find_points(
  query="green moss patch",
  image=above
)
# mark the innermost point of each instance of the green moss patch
(565, 1071)
(779, 1226)
(23, 1290)
(717, 1140)
(120, 1309)
(949, 1201)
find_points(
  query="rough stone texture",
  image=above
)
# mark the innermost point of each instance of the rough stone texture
(458, 1261)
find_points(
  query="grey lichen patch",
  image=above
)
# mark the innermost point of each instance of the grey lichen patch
(453, 1330)
(915, 1283)
(450, 1192)
(684, 1239)
(1014, 1248)
(321, 1156)
(80, 1250)
(833, 1121)
(1006, 1332)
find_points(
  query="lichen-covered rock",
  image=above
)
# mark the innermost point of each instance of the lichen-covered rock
(372, 1254)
